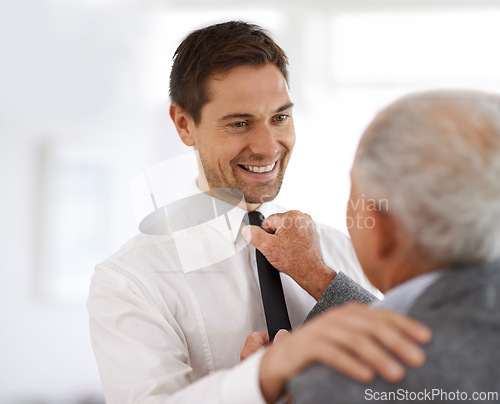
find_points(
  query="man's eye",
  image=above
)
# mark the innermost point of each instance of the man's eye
(281, 117)
(239, 124)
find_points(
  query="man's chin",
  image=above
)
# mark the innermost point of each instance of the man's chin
(254, 197)
(248, 194)
(231, 195)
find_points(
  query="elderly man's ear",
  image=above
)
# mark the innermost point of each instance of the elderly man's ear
(392, 251)
(183, 122)
(385, 235)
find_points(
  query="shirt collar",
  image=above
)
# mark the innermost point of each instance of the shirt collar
(234, 217)
(402, 297)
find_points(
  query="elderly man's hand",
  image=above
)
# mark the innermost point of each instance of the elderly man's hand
(290, 243)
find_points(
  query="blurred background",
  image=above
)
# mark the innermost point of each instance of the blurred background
(84, 110)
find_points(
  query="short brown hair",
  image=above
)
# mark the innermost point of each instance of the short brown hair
(215, 50)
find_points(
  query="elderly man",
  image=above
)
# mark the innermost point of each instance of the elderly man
(424, 217)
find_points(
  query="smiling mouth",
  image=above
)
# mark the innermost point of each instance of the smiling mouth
(259, 169)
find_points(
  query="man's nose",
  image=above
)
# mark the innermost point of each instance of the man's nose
(264, 142)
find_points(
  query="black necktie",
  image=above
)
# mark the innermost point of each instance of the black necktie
(270, 288)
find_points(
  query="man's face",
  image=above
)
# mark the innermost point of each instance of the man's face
(246, 135)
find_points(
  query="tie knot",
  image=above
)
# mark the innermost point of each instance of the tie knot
(256, 218)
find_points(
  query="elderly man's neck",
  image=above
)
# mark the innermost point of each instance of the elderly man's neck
(409, 270)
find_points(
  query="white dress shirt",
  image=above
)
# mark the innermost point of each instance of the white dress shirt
(169, 314)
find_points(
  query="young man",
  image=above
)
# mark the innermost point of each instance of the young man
(168, 317)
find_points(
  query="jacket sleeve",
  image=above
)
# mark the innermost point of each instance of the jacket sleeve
(341, 290)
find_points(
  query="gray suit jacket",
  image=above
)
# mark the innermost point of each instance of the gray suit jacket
(463, 310)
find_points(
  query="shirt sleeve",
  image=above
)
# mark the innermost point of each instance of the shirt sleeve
(142, 353)
(241, 384)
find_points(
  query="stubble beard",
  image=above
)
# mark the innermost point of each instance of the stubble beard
(235, 189)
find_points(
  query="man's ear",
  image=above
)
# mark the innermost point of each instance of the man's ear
(183, 122)
(386, 238)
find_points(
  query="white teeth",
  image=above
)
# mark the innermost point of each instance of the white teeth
(256, 169)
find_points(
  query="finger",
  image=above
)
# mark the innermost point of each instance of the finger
(406, 350)
(265, 338)
(272, 222)
(372, 353)
(253, 343)
(366, 317)
(346, 363)
(402, 336)
(260, 337)
(413, 328)
(280, 335)
(257, 237)
(284, 220)
(376, 336)
(257, 338)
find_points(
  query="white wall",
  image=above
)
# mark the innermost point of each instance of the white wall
(70, 76)
(92, 80)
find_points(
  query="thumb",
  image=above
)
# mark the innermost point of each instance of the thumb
(281, 334)
(256, 236)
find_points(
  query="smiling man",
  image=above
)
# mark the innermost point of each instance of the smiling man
(245, 133)
(164, 331)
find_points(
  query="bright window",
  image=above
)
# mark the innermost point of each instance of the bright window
(370, 59)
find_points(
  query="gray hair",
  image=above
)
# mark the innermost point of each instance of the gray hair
(435, 156)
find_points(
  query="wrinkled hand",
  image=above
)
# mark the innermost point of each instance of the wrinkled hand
(356, 340)
(291, 244)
